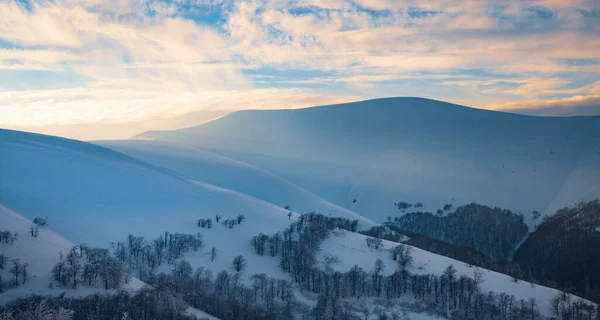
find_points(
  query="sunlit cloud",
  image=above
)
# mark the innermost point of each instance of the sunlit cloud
(146, 64)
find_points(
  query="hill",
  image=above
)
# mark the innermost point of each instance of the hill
(367, 155)
(563, 250)
(40, 253)
(96, 195)
(100, 195)
(202, 165)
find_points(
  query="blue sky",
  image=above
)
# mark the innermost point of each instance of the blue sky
(94, 69)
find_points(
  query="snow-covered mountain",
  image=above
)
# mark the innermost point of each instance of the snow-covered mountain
(83, 184)
(202, 165)
(364, 156)
(95, 195)
(40, 253)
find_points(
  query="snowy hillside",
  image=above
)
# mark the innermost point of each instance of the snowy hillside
(365, 156)
(208, 167)
(347, 246)
(96, 195)
(100, 195)
(41, 253)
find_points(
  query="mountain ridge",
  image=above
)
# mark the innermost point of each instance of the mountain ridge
(355, 103)
(412, 148)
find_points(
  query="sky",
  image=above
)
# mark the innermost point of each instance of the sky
(111, 69)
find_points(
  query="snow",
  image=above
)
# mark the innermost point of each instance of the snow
(41, 253)
(224, 172)
(95, 195)
(408, 149)
(583, 184)
(351, 249)
(199, 314)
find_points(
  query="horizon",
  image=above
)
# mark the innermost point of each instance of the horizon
(112, 70)
(139, 135)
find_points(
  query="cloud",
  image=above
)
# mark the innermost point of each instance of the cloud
(139, 60)
(565, 107)
(150, 110)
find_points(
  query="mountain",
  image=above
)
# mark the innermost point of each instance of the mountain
(41, 253)
(83, 184)
(572, 235)
(367, 155)
(96, 195)
(224, 172)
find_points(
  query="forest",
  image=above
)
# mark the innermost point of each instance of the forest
(224, 294)
(494, 232)
(563, 251)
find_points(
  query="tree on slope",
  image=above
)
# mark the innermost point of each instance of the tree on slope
(239, 263)
(39, 312)
(16, 270)
(213, 253)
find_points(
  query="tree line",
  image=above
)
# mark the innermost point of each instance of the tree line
(494, 232)
(563, 251)
(452, 296)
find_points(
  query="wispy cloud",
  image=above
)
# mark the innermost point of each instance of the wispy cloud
(72, 62)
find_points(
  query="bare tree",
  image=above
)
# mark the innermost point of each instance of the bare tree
(213, 253)
(16, 270)
(239, 263)
(240, 218)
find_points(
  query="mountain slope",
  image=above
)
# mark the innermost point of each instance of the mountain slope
(227, 173)
(96, 195)
(367, 155)
(346, 246)
(41, 253)
(564, 250)
(100, 195)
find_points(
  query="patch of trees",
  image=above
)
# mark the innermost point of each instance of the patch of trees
(204, 223)
(8, 237)
(494, 232)
(37, 311)
(563, 251)
(402, 205)
(403, 255)
(383, 232)
(140, 255)
(19, 272)
(38, 223)
(147, 303)
(225, 296)
(374, 243)
(450, 295)
(466, 255)
(91, 267)
(230, 223)
(564, 307)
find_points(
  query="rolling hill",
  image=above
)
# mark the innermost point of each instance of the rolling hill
(96, 195)
(365, 156)
(114, 194)
(224, 172)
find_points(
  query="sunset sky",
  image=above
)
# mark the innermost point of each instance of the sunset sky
(104, 69)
